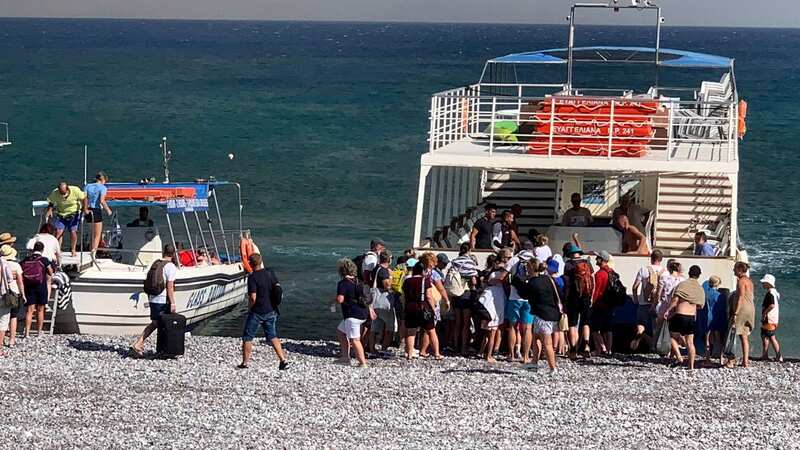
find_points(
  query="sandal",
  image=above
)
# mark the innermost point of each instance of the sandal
(438, 357)
(242, 366)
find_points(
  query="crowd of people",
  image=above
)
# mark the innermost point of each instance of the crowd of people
(532, 304)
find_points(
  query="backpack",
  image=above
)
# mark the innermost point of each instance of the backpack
(275, 291)
(454, 284)
(360, 297)
(398, 276)
(359, 262)
(154, 281)
(583, 281)
(616, 293)
(521, 270)
(33, 270)
(651, 285)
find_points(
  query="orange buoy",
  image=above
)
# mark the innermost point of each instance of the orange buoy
(742, 125)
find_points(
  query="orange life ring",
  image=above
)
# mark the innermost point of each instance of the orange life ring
(245, 250)
(742, 125)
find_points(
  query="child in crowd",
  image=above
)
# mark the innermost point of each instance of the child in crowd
(769, 319)
(542, 251)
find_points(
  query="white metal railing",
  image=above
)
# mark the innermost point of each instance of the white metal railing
(4, 134)
(630, 125)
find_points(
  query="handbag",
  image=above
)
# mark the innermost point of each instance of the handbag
(427, 308)
(380, 298)
(432, 294)
(10, 299)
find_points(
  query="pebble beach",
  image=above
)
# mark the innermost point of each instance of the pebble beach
(86, 392)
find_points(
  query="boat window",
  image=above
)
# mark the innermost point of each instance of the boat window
(594, 191)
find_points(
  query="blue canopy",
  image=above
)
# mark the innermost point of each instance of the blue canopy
(667, 57)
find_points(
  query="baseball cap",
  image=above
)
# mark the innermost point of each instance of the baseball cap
(604, 255)
(411, 262)
(769, 279)
(572, 249)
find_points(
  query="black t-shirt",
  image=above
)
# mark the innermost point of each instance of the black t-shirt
(483, 239)
(261, 282)
(769, 300)
(505, 236)
(350, 307)
(382, 273)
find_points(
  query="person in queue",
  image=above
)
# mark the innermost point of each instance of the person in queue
(560, 336)
(351, 297)
(516, 210)
(669, 279)
(433, 279)
(419, 310)
(263, 295)
(480, 237)
(37, 277)
(701, 245)
(577, 216)
(376, 246)
(518, 309)
(644, 290)
(493, 300)
(633, 241)
(541, 291)
(579, 282)
(467, 267)
(681, 313)
(12, 281)
(716, 317)
(143, 220)
(52, 247)
(742, 312)
(162, 303)
(385, 326)
(601, 312)
(96, 202)
(65, 204)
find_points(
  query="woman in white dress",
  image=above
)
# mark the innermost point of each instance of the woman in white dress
(493, 298)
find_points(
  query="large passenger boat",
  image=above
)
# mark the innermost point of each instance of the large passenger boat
(542, 125)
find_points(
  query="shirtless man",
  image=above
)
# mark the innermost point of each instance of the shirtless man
(687, 298)
(633, 241)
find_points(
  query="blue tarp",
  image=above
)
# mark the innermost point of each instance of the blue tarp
(667, 57)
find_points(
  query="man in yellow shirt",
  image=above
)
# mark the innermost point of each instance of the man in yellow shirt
(67, 202)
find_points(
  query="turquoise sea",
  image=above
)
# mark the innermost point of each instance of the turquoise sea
(327, 122)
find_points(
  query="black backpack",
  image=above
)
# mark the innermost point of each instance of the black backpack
(275, 291)
(154, 282)
(359, 261)
(616, 293)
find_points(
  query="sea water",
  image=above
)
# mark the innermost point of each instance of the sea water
(326, 122)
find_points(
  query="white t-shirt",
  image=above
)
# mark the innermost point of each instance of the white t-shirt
(369, 263)
(773, 314)
(51, 246)
(170, 273)
(542, 253)
(643, 277)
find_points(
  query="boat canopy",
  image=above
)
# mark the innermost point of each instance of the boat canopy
(666, 57)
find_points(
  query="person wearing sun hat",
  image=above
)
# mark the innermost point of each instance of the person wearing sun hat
(769, 319)
(7, 238)
(12, 274)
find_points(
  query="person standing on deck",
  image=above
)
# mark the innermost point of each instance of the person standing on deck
(143, 220)
(635, 213)
(769, 319)
(633, 241)
(263, 295)
(161, 303)
(701, 245)
(96, 199)
(687, 298)
(645, 288)
(480, 237)
(517, 210)
(742, 312)
(503, 234)
(577, 216)
(67, 202)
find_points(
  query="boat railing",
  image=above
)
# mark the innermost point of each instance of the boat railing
(661, 128)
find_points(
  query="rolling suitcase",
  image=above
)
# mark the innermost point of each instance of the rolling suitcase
(171, 334)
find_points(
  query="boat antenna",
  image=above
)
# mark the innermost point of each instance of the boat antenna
(167, 154)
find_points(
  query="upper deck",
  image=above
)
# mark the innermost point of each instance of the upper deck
(505, 122)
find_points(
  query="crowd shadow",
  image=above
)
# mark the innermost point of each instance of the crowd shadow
(90, 346)
(481, 370)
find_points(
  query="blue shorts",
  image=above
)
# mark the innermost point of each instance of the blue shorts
(36, 294)
(69, 222)
(519, 311)
(267, 321)
(156, 309)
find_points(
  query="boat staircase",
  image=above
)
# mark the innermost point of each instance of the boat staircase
(691, 203)
(537, 195)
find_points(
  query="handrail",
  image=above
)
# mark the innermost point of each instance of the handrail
(4, 140)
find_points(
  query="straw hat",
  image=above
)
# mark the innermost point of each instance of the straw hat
(7, 238)
(8, 252)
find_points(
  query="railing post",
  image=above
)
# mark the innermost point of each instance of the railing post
(432, 125)
(519, 103)
(670, 137)
(733, 132)
(552, 126)
(491, 125)
(610, 128)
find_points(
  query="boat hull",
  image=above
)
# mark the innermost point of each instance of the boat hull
(107, 305)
